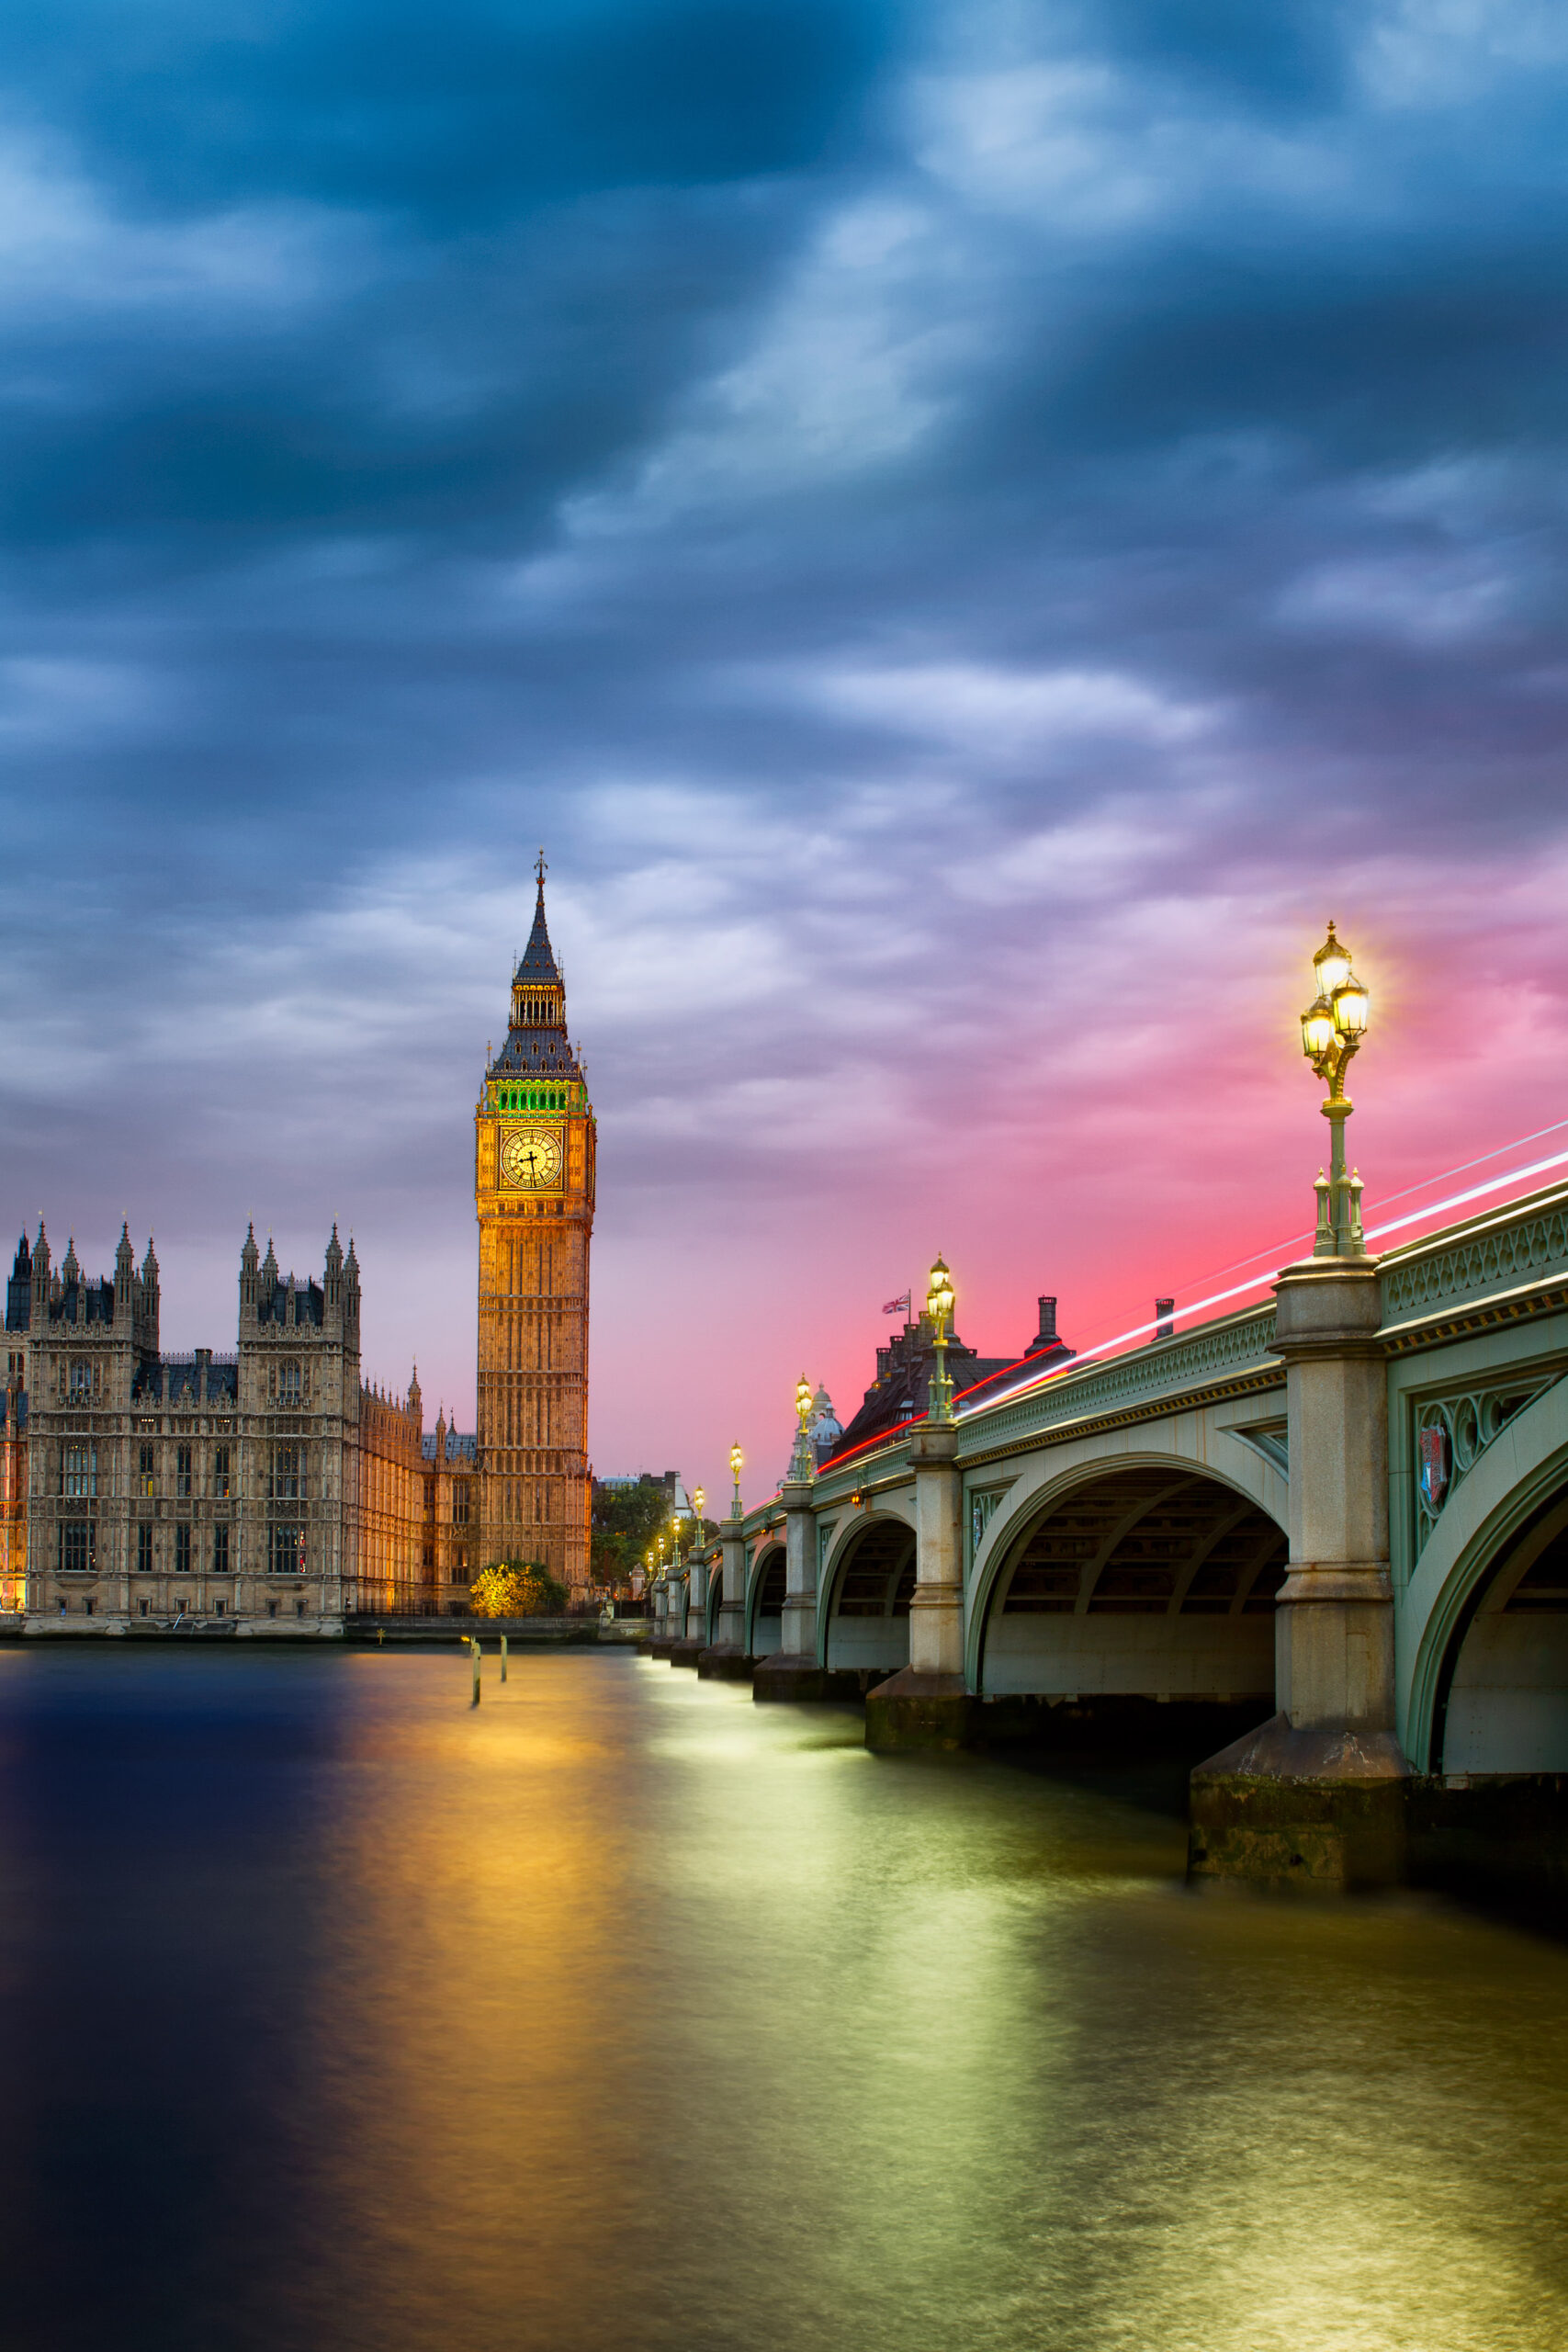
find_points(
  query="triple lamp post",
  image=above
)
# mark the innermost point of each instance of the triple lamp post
(1332, 1028)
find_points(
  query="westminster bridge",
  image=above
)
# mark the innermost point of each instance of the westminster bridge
(1333, 1528)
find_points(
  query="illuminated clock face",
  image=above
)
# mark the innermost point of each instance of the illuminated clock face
(530, 1156)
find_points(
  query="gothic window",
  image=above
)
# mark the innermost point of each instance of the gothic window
(221, 1471)
(78, 1546)
(285, 1484)
(79, 1476)
(285, 1550)
(220, 1549)
(144, 1550)
(182, 1548)
(182, 1470)
(460, 1503)
(81, 1379)
(147, 1470)
(288, 1383)
(460, 1573)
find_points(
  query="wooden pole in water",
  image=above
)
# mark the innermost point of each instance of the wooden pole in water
(473, 1644)
(503, 1658)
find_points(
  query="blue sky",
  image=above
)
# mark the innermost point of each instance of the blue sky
(967, 532)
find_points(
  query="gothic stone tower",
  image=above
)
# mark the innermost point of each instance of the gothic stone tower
(533, 1149)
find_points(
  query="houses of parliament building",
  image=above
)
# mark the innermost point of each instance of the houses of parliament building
(273, 1487)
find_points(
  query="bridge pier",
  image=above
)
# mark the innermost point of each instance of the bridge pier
(1318, 1793)
(727, 1660)
(795, 1671)
(692, 1639)
(928, 1703)
(664, 1640)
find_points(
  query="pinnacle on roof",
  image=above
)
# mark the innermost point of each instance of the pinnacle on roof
(538, 962)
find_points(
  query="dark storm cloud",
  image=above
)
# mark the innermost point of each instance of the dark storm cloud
(1066, 482)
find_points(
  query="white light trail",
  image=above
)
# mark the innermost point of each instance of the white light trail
(1261, 1282)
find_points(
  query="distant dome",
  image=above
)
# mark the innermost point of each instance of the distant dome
(824, 1425)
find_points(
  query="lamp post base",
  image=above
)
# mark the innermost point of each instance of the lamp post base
(1324, 1808)
(914, 1710)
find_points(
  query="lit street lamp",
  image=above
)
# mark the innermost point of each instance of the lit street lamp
(803, 1464)
(736, 1508)
(939, 1307)
(698, 1498)
(1332, 1028)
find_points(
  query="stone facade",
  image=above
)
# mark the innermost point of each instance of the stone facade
(534, 1190)
(267, 1488)
(270, 1488)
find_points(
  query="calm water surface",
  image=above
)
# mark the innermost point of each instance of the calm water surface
(622, 2013)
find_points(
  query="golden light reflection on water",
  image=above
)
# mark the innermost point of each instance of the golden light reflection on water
(651, 2017)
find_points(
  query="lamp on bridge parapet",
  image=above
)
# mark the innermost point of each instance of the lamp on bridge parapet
(736, 1508)
(939, 1307)
(1332, 1028)
(699, 1497)
(803, 1463)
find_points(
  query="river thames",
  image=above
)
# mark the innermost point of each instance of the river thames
(621, 2012)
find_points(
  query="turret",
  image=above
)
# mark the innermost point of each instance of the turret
(350, 1296)
(148, 1335)
(250, 1258)
(19, 1290)
(124, 1281)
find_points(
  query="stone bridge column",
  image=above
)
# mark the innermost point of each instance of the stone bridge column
(663, 1634)
(793, 1671)
(1318, 1793)
(929, 1703)
(727, 1660)
(693, 1637)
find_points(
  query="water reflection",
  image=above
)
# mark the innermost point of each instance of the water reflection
(622, 2013)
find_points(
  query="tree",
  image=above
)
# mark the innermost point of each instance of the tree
(516, 1588)
(625, 1522)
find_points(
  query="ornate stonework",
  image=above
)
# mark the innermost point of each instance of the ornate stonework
(534, 1174)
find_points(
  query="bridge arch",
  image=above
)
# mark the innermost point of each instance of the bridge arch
(867, 1584)
(1148, 1574)
(764, 1600)
(1483, 1635)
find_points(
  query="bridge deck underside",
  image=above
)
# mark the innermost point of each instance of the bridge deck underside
(1504, 1704)
(1154, 1581)
(767, 1613)
(868, 1624)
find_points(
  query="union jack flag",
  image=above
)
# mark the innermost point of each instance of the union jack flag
(906, 1301)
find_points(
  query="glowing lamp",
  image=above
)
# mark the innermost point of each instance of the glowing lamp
(1317, 1030)
(939, 1297)
(698, 1499)
(803, 1393)
(1332, 1029)
(1331, 964)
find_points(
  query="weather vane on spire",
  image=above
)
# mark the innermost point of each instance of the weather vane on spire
(541, 869)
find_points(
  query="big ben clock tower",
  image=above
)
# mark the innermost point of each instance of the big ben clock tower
(533, 1143)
